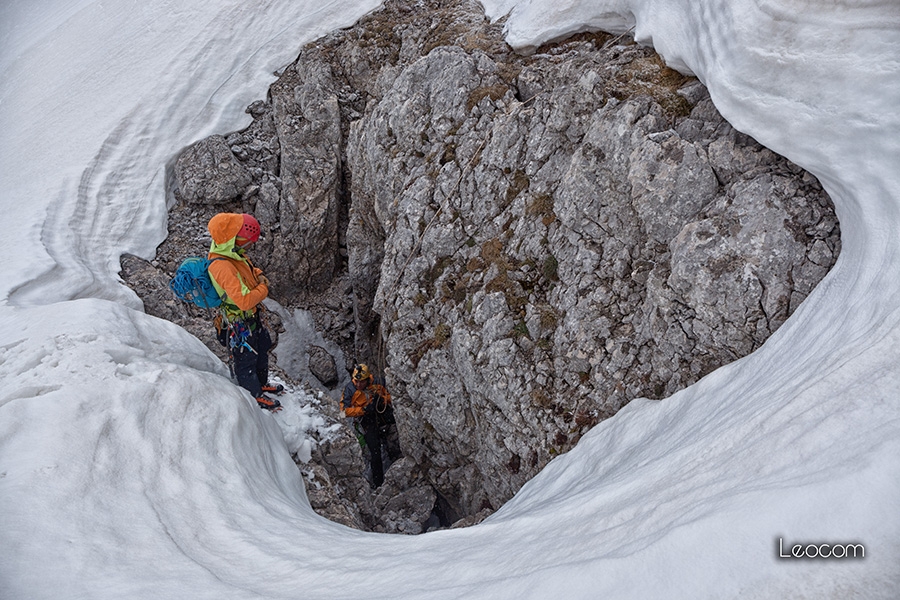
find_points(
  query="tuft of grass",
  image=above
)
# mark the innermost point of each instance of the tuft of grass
(585, 419)
(519, 184)
(449, 154)
(549, 319)
(494, 92)
(434, 273)
(649, 75)
(550, 268)
(540, 398)
(520, 329)
(541, 206)
(440, 338)
(455, 290)
(492, 253)
(442, 334)
(502, 283)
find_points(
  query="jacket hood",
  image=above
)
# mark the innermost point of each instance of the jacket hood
(225, 226)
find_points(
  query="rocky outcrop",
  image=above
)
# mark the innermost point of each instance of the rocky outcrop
(321, 365)
(307, 123)
(335, 482)
(208, 172)
(553, 253)
(524, 244)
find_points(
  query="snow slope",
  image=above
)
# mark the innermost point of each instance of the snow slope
(131, 467)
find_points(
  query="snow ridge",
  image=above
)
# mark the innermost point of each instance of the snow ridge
(130, 466)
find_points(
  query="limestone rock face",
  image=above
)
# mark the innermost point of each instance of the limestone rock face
(405, 502)
(547, 258)
(336, 486)
(307, 122)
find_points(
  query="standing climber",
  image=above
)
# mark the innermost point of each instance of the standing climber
(242, 288)
(368, 402)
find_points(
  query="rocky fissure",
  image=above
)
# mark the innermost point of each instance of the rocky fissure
(523, 244)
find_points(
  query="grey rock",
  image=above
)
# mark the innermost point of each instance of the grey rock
(404, 503)
(321, 364)
(472, 519)
(307, 122)
(209, 173)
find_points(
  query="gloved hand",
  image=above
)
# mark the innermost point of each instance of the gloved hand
(370, 408)
(264, 279)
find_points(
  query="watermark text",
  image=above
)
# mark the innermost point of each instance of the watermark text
(820, 550)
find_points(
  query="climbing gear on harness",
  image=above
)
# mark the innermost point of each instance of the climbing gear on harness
(223, 330)
(238, 338)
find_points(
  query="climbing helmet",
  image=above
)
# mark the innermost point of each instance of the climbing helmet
(361, 372)
(250, 229)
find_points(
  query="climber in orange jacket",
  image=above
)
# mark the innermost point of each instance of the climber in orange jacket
(367, 400)
(242, 288)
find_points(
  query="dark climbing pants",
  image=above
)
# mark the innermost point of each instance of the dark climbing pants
(377, 429)
(251, 369)
(373, 443)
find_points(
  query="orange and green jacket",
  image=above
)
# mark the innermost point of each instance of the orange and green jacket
(235, 278)
(354, 401)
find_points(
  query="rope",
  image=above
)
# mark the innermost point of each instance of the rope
(369, 395)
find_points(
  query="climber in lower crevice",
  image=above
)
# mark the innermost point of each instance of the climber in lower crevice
(367, 401)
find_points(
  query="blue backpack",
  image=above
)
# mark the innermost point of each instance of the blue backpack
(191, 283)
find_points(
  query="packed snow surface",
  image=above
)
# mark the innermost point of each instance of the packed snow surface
(132, 467)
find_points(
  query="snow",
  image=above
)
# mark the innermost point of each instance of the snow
(131, 467)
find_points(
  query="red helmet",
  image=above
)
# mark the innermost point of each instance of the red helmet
(249, 230)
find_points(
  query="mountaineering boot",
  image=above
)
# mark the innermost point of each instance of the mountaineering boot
(273, 389)
(269, 404)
